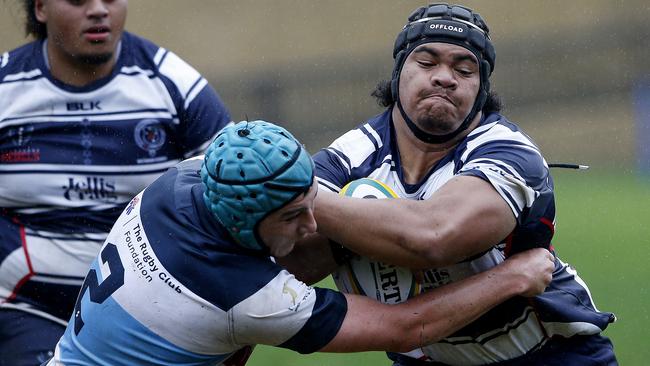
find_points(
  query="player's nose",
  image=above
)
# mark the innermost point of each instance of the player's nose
(96, 9)
(443, 76)
(308, 226)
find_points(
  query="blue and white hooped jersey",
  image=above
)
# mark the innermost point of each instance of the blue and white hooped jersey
(170, 287)
(72, 157)
(498, 152)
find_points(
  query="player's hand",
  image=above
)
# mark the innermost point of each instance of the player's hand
(534, 267)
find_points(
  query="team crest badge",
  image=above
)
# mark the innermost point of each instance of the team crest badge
(150, 135)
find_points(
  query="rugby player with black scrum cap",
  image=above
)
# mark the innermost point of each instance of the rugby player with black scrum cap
(473, 190)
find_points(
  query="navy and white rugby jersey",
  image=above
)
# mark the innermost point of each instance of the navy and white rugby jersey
(170, 287)
(72, 157)
(498, 152)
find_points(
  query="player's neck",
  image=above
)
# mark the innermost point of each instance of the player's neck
(416, 156)
(73, 71)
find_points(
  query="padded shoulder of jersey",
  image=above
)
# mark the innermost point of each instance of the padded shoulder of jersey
(20, 60)
(165, 62)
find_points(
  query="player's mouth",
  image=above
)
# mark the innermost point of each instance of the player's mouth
(439, 97)
(97, 34)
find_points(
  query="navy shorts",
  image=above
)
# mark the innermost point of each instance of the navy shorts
(595, 350)
(26, 339)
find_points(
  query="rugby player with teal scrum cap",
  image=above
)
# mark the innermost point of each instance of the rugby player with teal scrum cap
(186, 277)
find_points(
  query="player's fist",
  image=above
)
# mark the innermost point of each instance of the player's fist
(534, 270)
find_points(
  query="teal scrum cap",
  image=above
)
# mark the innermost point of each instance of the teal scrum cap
(250, 170)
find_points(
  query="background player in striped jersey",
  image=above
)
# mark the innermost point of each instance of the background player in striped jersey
(475, 190)
(89, 115)
(185, 276)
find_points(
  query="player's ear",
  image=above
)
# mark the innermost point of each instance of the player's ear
(40, 11)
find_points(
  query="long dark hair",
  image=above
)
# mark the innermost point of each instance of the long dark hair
(384, 97)
(32, 26)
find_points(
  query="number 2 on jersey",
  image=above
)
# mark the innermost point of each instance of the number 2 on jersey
(100, 292)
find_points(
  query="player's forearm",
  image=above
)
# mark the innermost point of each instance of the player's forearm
(389, 230)
(464, 217)
(427, 318)
(438, 314)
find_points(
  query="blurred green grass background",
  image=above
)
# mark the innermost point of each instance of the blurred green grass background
(603, 229)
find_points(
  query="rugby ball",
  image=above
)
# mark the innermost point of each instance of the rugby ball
(385, 282)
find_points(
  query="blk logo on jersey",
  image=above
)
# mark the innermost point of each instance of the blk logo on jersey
(90, 188)
(150, 135)
(83, 106)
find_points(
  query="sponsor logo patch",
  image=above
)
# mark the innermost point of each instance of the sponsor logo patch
(20, 137)
(89, 188)
(446, 27)
(20, 156)
(132, 205)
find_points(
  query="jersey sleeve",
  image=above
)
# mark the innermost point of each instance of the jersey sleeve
(344, 159)
(287, 313)
(204, 118)
(201, 112)
(513, 166)
(331, 169)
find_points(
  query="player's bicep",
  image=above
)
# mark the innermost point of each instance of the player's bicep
(477, 217)
(517, 172)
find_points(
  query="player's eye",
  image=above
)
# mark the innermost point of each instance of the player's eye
(291, 216)
(426, 63)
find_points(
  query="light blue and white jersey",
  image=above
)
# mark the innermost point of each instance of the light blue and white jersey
(170, 287)
(498, 152)
(72, 157)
